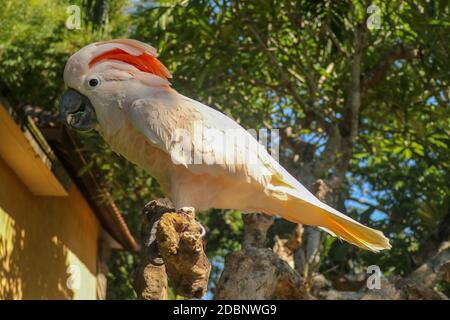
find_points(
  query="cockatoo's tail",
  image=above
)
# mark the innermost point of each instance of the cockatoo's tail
(121, 89)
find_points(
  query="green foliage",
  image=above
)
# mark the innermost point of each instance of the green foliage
(32, 45)
(119, 278)
(224, 230)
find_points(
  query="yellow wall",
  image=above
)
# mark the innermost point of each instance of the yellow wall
(42, 239)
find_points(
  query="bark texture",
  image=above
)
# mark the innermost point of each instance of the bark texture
(172, 251)
(257, 272)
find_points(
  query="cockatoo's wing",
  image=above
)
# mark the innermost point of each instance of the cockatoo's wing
(202, 139)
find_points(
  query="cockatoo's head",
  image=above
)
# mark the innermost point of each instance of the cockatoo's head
(107, 74)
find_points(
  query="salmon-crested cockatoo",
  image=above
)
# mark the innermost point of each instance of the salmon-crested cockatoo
(200, 157)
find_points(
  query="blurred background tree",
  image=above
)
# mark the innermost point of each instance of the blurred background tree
(361, 98)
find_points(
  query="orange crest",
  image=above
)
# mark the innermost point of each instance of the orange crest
(144, 62)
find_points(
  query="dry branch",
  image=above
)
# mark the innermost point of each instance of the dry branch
(378, 73)
(257, 272)
(175, 252)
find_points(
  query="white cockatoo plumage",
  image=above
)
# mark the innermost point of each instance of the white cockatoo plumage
(121, 89)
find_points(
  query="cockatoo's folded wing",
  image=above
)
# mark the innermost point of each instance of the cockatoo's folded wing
(202, 139)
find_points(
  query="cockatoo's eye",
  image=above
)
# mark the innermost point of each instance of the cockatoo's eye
(93, 82)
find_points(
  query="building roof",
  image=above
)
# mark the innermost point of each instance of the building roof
(60, 146)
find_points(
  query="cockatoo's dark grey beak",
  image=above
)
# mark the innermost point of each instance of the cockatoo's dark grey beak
(77, 111)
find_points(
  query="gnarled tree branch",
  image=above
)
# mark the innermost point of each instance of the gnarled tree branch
(257, 272)
(375, 75)
(172, 248)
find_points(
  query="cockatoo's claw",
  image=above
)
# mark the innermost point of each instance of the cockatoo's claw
(153, 233)
(203, 229)
(187, 209)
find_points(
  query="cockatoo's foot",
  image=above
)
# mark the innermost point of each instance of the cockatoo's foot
(189, 210)
(186, 210)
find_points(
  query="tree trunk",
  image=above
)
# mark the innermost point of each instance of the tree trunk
(257, 272)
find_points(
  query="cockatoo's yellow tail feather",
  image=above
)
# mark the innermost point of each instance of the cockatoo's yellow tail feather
(316, 213)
